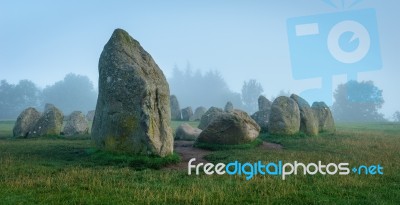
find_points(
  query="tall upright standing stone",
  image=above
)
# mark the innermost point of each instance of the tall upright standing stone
(285, 116)
(264, 104)
(133, 110)
(263, 113)
(187, 113)
(26, 122)
(198, 113)
(228, 107)
(175, 109)
(77, 124)
(50, 123)
(308, 123)
(324, 117)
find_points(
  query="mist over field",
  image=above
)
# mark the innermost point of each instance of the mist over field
(217, 46)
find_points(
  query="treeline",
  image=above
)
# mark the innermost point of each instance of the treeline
(354, 101)
(74, 92)
(194, 88)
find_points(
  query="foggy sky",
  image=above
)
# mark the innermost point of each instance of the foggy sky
(44, 40)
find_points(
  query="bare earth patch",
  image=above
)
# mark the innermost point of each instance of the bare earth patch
(269, 145)
(186, 151)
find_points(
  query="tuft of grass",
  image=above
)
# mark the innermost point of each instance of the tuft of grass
(214, 147)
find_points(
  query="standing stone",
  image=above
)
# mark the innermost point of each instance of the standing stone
(285, 116)
(76, 124)
(324, 117)
(209, 116)
(308, 123)
(187, 132)
(230, 128)
(261, 118)
(263, 103)
(48, 106)
(132, 112)
(228, 107)
(90, 115)
(175, 109)
(50, 123)
(198, 113)
(187, 113)
(26, 122)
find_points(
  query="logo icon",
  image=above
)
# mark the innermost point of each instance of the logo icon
(325, 45)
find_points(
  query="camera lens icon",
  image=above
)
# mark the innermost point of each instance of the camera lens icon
(348, 41)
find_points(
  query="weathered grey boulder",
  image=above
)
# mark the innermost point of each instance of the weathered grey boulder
(230, 128)
(133, 111)
(209, 116)
(175, 109)
(48, 106)
(324, 117)
(187, 113)
(198, 113)
(263, 103)
(308, 123)
(285, 116)
(187, 132)
(76, 124)
(228, 107)
(50, 123)
(90, 115)
(261, 118)
(26, 122)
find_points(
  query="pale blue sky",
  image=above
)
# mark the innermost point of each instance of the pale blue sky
(45, 40)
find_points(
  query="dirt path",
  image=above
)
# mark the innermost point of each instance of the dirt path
(186, 150)
(269, 145)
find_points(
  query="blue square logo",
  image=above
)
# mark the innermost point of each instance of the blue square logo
(334, 44)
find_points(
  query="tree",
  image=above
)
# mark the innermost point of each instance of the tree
(250, 92)
(358, 101)
(73, 93)
(198, 89)
(28, 95)
(6, 100)
(15, 98)
(396, 116)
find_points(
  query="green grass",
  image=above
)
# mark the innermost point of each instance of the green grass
(6, 128)
(60, 170)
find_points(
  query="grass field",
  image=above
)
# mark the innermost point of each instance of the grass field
(56, 170)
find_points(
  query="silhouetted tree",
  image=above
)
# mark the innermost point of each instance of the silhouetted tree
(75, 92)
(197, 89)
(396, 116)
(250, 92)
(15, 98)
(358, 101)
